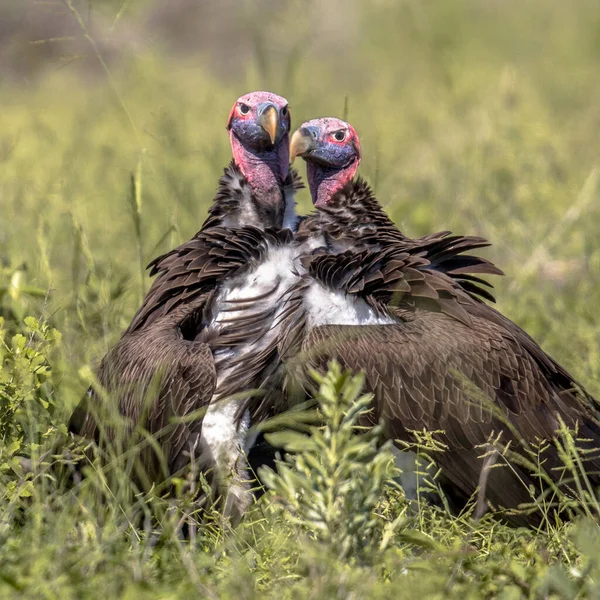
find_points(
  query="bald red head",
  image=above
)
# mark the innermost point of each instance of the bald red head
(249, 108)
(331, 149)
(259, 125)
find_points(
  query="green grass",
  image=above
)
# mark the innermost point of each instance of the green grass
(475, 116)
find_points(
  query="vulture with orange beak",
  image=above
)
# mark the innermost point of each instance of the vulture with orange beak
(173, 359)
(435, 357)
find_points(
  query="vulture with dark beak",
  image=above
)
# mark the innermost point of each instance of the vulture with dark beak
(172, 360)
(435, 357)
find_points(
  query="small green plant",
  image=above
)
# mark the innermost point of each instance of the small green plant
(466, 125)
(333, 479)
(27, 403)
(26, 397)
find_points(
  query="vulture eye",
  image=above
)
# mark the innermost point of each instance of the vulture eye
(339, 136)
(244, 109)
(284, 111)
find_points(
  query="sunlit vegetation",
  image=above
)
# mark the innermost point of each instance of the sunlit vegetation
(476, 116)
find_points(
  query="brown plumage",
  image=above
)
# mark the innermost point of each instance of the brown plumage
(413, 265)
(435, 357)
(164, 366)
(355, 222)
(444, 360)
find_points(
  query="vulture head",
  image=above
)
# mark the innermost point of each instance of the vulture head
(260, 121)
(259, 125)
(331, 149)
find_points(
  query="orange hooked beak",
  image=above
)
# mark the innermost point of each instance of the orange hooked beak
(269, 121)
(301, 143)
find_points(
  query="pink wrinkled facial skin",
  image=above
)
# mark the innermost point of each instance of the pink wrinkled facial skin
(325, 181)
(268, 168)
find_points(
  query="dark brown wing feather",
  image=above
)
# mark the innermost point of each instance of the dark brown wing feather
(233, 233)
(355, 221)
(446, 254)
(452, 363)
(389, 279)
(555, 372)
(200, 265)
(434, 372)
(163, 366)
(149, 378)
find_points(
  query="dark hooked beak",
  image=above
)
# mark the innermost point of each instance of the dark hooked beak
(268, 119)
(303, 141)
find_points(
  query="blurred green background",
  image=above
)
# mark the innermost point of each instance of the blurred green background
(479, 116)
